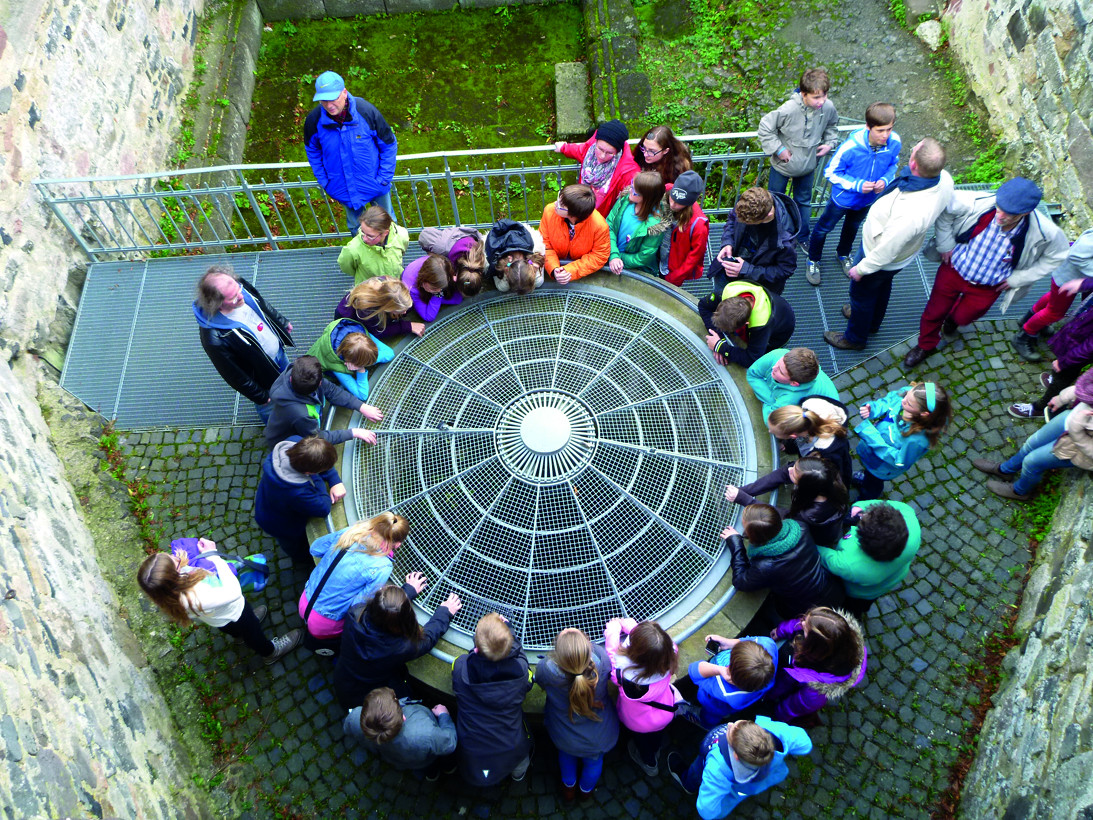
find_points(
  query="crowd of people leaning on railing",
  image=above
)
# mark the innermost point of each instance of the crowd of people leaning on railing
(824, 558)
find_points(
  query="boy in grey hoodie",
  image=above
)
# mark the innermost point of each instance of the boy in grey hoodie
(298, 396)
(795, 135)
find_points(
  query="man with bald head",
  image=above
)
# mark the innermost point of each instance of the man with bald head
(243, 336)
(892, 234)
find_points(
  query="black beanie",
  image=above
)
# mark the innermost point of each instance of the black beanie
(614, 133)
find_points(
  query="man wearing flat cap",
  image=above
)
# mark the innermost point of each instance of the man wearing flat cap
(350, 147)
(989, 244)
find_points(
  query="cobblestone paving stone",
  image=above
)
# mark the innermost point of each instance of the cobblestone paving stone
(883, 752)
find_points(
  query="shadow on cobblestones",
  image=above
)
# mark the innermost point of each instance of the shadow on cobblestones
(883, 752)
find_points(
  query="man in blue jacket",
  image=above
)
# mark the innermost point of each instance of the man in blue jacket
(350, 147)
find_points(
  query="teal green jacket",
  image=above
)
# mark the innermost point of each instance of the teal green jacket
(773, 394)
(864, 577)
(643, 248)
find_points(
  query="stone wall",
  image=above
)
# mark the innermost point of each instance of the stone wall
(1035, 755)
(84, 729)
(88, 88)
(1029, 62)
(317, 9)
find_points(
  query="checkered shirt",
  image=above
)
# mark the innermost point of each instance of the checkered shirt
(988, 258)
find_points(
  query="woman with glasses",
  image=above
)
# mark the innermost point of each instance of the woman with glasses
(660, 151)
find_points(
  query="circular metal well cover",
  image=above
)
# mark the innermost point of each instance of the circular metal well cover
(561, 458)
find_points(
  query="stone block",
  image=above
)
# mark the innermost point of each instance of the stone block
(572, 101)
(273, 10)
(634, 95)
(408, 6)
(351, 8)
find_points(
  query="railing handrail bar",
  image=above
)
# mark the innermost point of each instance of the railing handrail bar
(469, 152)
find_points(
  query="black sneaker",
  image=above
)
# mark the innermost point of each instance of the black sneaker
(1022, 410)
(1046, 378)
(677, 768)
(283, 645)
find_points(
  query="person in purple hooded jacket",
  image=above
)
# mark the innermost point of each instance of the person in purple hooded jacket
(828, 658)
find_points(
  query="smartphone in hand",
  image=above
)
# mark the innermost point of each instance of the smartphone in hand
(712, 647)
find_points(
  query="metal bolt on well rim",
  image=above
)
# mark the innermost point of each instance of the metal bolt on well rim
(561, 458)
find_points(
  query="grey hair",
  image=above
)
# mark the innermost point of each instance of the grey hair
(208, 297)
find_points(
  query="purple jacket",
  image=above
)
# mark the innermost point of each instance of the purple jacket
(426, 304)
(799, 691)
(394, 327)
(1073, 344)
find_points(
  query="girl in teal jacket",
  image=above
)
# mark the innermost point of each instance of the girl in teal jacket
(635, 228)
(897, 430)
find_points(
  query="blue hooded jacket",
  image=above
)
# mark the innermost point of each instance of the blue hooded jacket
(353, 161)
(855, 162)
(286, 499)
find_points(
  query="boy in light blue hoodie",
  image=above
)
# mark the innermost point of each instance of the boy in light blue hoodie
(861, 170)
(736, 761)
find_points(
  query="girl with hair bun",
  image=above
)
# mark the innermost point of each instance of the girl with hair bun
(816, 424)
(580, 717)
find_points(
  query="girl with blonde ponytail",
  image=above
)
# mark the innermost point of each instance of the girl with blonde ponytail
(817, 425)
(580, 717)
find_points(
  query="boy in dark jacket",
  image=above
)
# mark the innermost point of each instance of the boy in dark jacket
(758, 241)
(490, 684)
(298, 397)
(405, 734)
(291, 492)
(743, 321)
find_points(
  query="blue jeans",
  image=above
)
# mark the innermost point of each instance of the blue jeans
(1035, 456)
(590, 773)
(868, 304)
(353, 215)
(693, 778)
(826, 224)
(802, 195)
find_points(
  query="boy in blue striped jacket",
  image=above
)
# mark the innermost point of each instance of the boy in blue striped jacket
(861, 170)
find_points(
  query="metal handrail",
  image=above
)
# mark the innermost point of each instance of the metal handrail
(228, 208)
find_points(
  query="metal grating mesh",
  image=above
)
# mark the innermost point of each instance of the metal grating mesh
(560, 458)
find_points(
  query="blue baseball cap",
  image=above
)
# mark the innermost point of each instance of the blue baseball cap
(1018, 196)
(328, 86)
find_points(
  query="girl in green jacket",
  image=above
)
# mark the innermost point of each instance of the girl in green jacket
(635, 228)
(377, 248)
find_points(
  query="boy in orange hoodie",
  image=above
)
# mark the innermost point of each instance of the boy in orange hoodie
(573, 229)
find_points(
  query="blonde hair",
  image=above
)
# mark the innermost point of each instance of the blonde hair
(358, 349)
(790, 420)
(167, 587)
(378, 298)
(573, 655)
(377, 535)
(492, 637)
(470, 268)
(520, 270)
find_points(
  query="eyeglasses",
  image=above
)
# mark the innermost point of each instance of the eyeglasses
(649, 152)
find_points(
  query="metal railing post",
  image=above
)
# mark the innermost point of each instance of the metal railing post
(256, 209)
(451, 191)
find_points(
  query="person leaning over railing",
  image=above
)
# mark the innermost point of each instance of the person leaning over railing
(606, 165)
(573, 229)
(636, 227)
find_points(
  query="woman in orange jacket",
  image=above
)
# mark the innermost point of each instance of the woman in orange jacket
(573, 229)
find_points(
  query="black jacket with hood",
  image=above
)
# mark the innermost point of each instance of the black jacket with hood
(291, 416)
(769, 250)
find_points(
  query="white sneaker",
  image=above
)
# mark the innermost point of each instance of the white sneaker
(283, 645)
(812, 273)
(635, 755)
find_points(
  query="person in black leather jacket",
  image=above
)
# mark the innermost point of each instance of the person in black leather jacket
(782, 556)
(243, 336)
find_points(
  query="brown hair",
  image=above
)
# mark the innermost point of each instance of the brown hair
(673, 162)
(381, 716)
(650, 187)
(732, 314)
(208, 296)
(573, 655)
(312, 455)
(802, 365)
(376, 218)
(831, 645)
(358, 349)
(378, 298)
(492, 637)
(750, 666)
(934, 424)
(650, 649)
(754, 206)
(436, 270)
(377, 535)
(880, 113)
(391, 611)
(814, 81)
(522, 273)
(580, 200)
(930, 158)
(752, 743)
(790, 419)
(306, 375)
(761, 523)
(166, 586)
(469, 282)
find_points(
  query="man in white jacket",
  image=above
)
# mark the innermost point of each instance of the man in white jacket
(893, 233)
(989, 243)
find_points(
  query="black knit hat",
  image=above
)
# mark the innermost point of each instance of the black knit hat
(614, 133)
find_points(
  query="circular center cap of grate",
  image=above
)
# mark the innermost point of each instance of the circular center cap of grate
(561, 458)
(546, 436)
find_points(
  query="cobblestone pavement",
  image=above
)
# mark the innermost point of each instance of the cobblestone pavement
(885, 751)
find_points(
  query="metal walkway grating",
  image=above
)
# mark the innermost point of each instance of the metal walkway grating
(134, 355)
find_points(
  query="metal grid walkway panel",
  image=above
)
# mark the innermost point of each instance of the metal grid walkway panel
(560, 458)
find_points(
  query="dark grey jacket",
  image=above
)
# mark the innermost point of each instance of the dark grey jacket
(424, 737)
